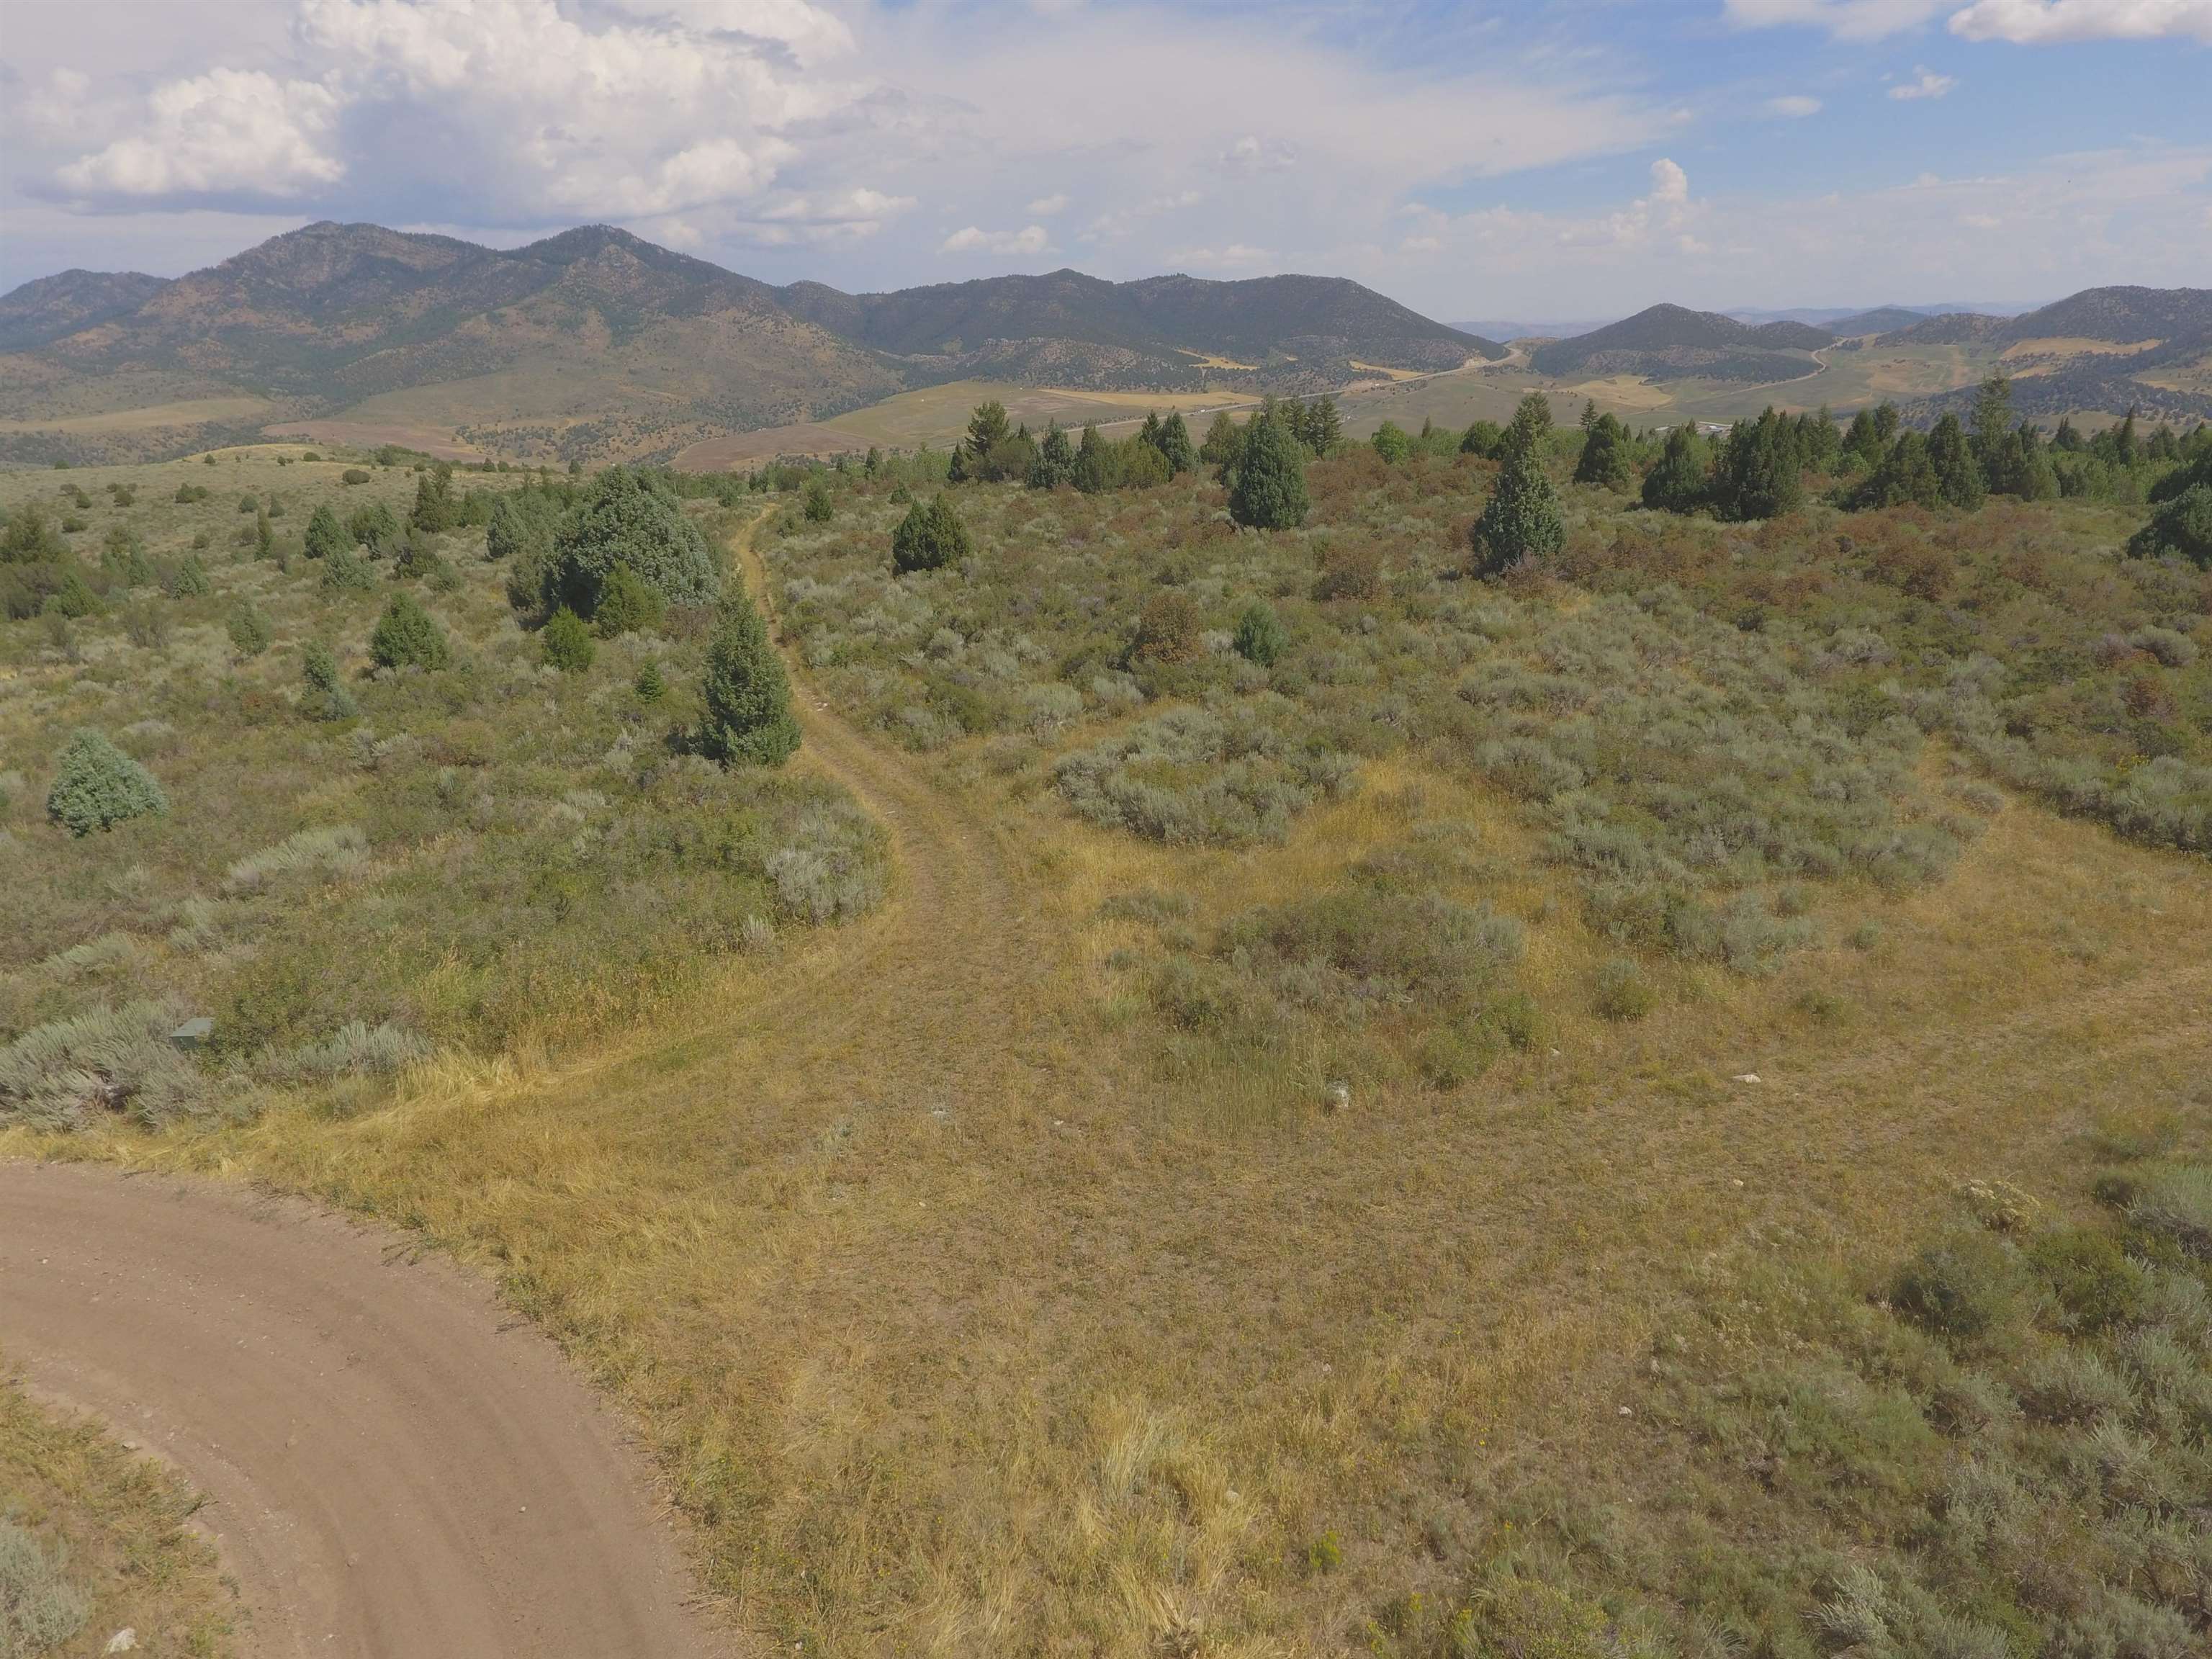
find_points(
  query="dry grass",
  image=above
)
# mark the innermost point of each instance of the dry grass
(123, 1524)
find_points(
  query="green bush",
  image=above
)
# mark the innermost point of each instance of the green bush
(186, 579)
(628, 605)
(352, 474)
(650, 686)
(1261, 637)
(1961, 1287)
(250, 631)
(567, 642)
(2094, 1284)
(748, 698)
(97, 786)
(2179, 529)
(929, 537)
(344, 571)
(325, 696)
(1267, 490)
(818, 506)
(2176, 1203)
(408, 634)
(626, 522)
(326, 535)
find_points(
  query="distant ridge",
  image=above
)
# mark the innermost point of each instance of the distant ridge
(2165, 371)
(1669, 342)
(596, 345)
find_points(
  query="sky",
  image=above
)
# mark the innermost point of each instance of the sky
(1473, 160)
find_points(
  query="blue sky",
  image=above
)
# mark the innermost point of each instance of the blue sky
(1581, 159)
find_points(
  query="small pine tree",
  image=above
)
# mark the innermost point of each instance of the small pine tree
(1225, 442)
(326, 535)
(929, 537)
(324, 696)
(407, 634)
(1958, 476)
(1905, 476)
(2181, 528)
(1679, 481)
(1094, 468)
(250, 631)
(567, 642)
(1324, 428)
(1604, 459)
(748, 717)
(650, 686)
(264, 535)
(97, 786)
(818, 509)
(1522, 518)
(1268, 489)
(1055, 461)
(1260, 636)
(345, 571)
(1174, 445)
(1759, 474)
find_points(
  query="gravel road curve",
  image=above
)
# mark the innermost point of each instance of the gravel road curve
(396, 1469)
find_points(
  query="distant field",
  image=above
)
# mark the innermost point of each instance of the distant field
(191, 412)
(938, 414)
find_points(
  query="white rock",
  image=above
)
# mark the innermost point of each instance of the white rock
(1337, 1097)
(123, 1641)
(1746, 1077)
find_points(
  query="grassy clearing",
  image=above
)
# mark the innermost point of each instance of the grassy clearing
(95, 1539)
(1343, 1221)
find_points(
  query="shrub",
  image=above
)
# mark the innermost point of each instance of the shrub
(40, 1609)
(522, 526)
(1622, 992)
(406, 634)
(929, 537)
(187, 580)
(628, 605)
(567, 642)
(57, 1075)
(1352, 572)
(1268, 489)
(1260, 636)
(326, 535)
(97, 786)
(250, 631)
(325, 696)
(352, 474)
(1167, 628)
(1522, 519)
(345, 571)
(818, 507)
(2179, 529)
(2176, 1203)
(2095, 1284)
(354, 1049)
(625, 520)
(371, 524)
(339, 850)
(1961, 1287)
(748, 698)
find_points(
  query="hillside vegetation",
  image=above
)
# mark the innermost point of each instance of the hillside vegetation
(1450, 1063)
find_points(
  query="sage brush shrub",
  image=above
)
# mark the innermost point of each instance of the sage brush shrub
(1192, 776)
(59, 1075)
(39, 1607)
(96, 786)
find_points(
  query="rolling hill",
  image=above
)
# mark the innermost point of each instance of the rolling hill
(1668, 342)
(2105, 349)
(595, 344)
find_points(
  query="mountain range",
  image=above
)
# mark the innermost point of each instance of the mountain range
(595, 344)
(1669, 342)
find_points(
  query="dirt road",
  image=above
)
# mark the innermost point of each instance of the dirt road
(396, 1469)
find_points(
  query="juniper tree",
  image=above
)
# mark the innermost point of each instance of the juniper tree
(1268, 489)
(1522, 518)
(407, 635)
(929, 537)
(96, 786)
(748, 698)
(1055, 461)
(326, 536)
(1604, 459)
(1678, 480)
(1174, 445)
(1958, 477)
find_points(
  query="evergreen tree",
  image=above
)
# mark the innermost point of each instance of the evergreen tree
(567, 642)
(407, 634)
(1993, 421)
(2181, 528)
(436, 509)
(1268, 489)
(96, 785)
(1055, 460)
(1906, 475)
(1260, 636)
(1959, 477)
(1819, 444)
(1759, 474)
(1604, 458)
(1094, 463)
(1174, 445)
(1678, 480)
(326, 536)
(748, 698)
(1324, 427)
(628, 518)
(1225, 442)
(929, 537)
(1483, 438)
(2068, 438)
(1522, 519)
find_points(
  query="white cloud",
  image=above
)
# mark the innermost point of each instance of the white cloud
(2041, 22)
(1796, 106)
(1930, 84)
(226, 132)
(1846, 19)
(1235, 254)
(1045, 206)
(1031, 239)
(1669, 184)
